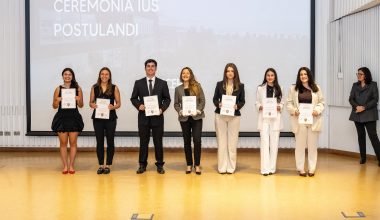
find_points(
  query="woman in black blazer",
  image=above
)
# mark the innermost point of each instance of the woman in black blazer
(227, 127)
(364, 97)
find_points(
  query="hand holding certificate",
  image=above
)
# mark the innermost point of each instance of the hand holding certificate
(189, 105)
(68, 99)
(270, 108)
(306, 114)
(151, 105)
(228, 105)
(102, 110)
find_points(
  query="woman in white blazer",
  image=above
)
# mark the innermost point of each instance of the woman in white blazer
(306, 91)
(269, 125)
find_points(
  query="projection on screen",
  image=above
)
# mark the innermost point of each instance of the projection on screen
(87, 35)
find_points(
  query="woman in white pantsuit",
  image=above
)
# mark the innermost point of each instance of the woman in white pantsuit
(306, 91)
(269, 125)
(227, 127)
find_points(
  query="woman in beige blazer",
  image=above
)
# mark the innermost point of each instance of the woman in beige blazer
(306, 135)
(191, 124)
(269, 126)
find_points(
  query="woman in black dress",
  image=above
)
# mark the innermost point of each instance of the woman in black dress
(67, 122)
(104, 89)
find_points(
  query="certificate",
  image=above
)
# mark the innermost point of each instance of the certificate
(306, 114)
(102, 110)
(151, 105)
(68, 98)
(270, 107)
(189, 105)
(228, 105)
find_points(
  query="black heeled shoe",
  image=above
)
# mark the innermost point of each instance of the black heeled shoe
(199, 172)
(189, 171)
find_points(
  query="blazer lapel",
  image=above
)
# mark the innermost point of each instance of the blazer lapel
(156, 85)
(145, 87)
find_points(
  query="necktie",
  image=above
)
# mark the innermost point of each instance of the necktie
(150, 87)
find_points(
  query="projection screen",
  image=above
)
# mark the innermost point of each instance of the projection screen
(87, 35)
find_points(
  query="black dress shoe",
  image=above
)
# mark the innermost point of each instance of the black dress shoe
(160, 170)
(362, 161)
(141, 169)
(107, 170)
(265, 174)
(100, 170)
(302, 174)
(311, 174)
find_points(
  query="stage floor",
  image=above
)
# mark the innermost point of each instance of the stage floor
(32, 187)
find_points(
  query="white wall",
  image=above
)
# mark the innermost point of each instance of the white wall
(354, 42)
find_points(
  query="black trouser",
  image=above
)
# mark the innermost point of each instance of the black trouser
(107, 127)
(157, 133)
(194, 128)
(371, 130)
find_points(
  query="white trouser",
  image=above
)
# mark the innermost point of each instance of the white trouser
(268, 147)
(227, 135)
(306, 138)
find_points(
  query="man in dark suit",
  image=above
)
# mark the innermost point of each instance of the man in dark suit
(149, 86)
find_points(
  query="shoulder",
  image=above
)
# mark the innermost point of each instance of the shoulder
(57, 89)
(159, 80)
(179, 87)
(141, 80)
(292, 88)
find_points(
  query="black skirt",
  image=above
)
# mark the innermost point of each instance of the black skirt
(67, 120)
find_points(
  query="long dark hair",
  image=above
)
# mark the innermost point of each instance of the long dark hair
(367, 74)
(277, 88)
(193, 83)
(109, 84)
(311, 82)
(236, 76)
(74, 83)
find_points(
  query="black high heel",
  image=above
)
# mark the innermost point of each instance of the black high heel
(189, 171)
(199, 172)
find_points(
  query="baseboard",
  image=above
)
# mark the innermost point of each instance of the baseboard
(177, 149)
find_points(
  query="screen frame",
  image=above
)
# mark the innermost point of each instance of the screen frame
(29, 132)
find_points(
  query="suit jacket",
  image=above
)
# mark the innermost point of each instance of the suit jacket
(179, 92)
(140, 90)
(261, 94)
(240, 97)
(368, 96)
(318, 103)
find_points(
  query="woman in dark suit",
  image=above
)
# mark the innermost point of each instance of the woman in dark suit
(227, 127)
(191, 124)
(363, 99)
